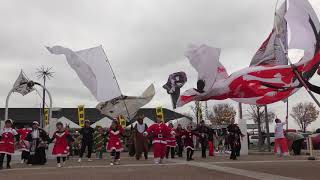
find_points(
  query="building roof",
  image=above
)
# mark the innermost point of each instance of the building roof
(28, 115)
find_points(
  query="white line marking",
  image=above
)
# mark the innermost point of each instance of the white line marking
(249, 162)
(240, 172)
(97, 166)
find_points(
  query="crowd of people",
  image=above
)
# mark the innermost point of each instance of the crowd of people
(166, 142)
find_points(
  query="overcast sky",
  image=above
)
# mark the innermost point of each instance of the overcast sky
(144, 40)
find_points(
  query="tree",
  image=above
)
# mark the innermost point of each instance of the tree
(304, 114)
(222, 114)
(257, 115)
(255, 111)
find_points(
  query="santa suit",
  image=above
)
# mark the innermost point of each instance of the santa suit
(171, 140)
(114, 142)
(7, 141)
(159, 133)
(280, 142)
(188, 139)
(61, 146)
(24, 145)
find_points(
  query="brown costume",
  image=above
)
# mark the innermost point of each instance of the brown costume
(140, 141)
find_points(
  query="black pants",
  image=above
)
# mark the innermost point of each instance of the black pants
(25, 155)
(180, 149)
(59, 159)
(2, 158)
(172, 150)
(115, 155)
(203, 150)
(39, 157)
(189, 154)
(83, 148)
(296, 146)
(234, 149)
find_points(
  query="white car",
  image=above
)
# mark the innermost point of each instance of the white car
(254, 139)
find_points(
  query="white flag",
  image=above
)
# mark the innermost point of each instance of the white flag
(20, 85)
(126, 105)
(93, 69)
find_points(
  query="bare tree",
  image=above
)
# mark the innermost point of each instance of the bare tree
(257, 115)
(304, 114)
(222, 114)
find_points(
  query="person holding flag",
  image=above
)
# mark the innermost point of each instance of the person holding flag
(159, 133)
(280, 142)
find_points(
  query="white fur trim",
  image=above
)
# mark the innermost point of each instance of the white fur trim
(159, 141)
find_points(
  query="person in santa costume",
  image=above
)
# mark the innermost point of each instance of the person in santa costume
(159, 133)
(23, 143)
(171, 143)
(140, 141)
(280, 141)
(114, 145)
(188, 137)
(7, 137)
(61, 146)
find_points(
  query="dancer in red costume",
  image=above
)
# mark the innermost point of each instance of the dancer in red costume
(7, 136)
(61, 147)
(114, 145)
(159, 133)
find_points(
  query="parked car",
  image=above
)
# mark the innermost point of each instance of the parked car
(254, 139)
(316, 141)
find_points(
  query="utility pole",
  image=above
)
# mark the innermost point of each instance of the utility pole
(45, 74)
(267, 127)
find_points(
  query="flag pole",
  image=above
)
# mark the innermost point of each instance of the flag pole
(114, 76)
(290, 63)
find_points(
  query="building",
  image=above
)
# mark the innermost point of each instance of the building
(22, 116)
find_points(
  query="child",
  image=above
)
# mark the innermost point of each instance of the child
(23, 144)
(99, 138)
(7, 136)
(61, 145)
(114, 145)
(188, 136)
(171, 144)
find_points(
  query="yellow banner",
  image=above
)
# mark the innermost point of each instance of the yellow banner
(81, 115)
(122, 121)
(46, 117)
(159, 112)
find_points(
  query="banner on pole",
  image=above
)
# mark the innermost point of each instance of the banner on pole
(159, 112)
(46, 117)
(122, 121)
(81, 115)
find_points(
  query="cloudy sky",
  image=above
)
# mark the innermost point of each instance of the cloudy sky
(144, 40)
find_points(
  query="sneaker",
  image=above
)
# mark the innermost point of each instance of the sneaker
(64, 163)
(59, 165)
(79, 160)
(117, 162)
(22, 161)
(89, 160)
(111, 164)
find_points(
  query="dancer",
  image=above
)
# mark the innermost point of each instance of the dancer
(140, 141)
(280, 142)
(179, 133)
(211, 142)
(114, 145)
(100, 139)
(38, 139)
(23, 143)
(171, 143)
(234, 137)
(87, 140)
(61, 147)
(159, 132)
(7, 136)
(203, 131)
(188, 137)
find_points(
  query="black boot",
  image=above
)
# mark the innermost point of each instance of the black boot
(188, 154)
